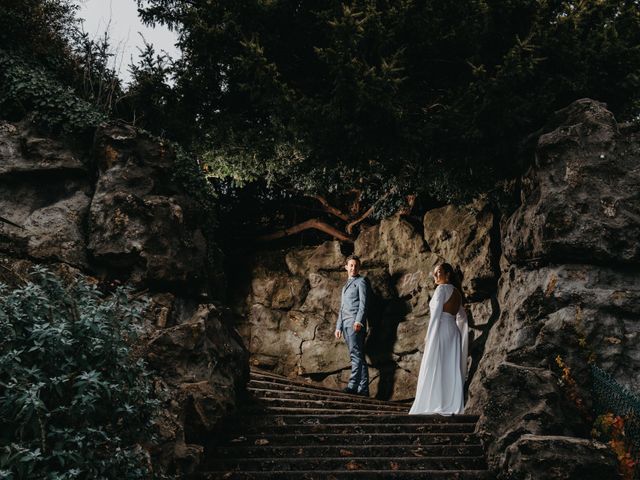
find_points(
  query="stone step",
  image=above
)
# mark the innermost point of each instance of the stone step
(336, 406)
(304, 439)
(294, 430)
(271, 391)
(351, 428)
(361, 418)
(349, 475)
(276, 410)
(352, 463)
(312, 451)
(294, 387)
(293, 382)
(357, 402)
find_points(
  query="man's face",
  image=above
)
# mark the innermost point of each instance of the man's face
(352, 267)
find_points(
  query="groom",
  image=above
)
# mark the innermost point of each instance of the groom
(352, 325)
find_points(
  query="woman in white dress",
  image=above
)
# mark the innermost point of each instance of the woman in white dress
(443, 369)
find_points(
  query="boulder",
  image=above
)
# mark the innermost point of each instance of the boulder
(51, 230)
(467, 238)
(325, 293)
(275, 340)
(406, 249)
(56, 232)
(322, 357)
(411, 335)
(43, 190)
(568, 293)
(555, 457)
(565, 311)
(24, 152)
(396, 245)
(327, 256)
(520, 400)
(196, 396)
(410, 284)
(574, 304)
(482, 314)
(405, 376)
(381, 284)
(140, 222)
(281, 292)
(580, 199)
(370, 249)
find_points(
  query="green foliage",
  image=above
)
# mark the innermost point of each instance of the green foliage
(74, 401)
(39, 30)
(26, 88)
(188, 175)
(93, 77)
(150, 100)
(46, 60)
(405, 96)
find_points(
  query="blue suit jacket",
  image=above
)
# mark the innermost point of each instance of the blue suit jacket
(353, 306)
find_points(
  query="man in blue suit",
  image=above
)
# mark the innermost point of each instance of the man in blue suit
(352, 325)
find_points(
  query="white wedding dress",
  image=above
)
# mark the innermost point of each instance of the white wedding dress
(443, 369)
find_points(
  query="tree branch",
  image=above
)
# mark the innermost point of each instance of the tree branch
(330, 208)
(306, 225)
(355, 205)
(365, 214)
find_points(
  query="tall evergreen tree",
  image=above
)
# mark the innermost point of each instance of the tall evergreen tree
(390, 97)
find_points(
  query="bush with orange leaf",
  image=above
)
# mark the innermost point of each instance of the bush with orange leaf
(607, 428)
(610, 429)
(571, 388)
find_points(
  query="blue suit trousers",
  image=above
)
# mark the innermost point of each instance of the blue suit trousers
(359, 379)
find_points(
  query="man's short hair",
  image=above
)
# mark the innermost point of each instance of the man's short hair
(354, 257)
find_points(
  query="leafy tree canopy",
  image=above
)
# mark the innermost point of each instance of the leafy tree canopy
(355, 103)
(389, 97)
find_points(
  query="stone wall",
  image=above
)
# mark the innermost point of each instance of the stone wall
(288, 316)
(113, 212)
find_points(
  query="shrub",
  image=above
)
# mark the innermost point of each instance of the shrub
(74, 400)
(26, 88)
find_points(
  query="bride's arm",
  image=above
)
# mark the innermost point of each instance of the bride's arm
(436, 306)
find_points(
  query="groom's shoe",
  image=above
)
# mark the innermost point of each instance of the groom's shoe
(352, 391)
(363, 394)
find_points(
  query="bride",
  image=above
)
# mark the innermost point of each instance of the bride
(444, 362)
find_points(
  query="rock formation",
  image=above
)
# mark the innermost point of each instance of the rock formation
(559, 276)
(570, 286)
(114, 212)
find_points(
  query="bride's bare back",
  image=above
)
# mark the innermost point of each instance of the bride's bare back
(452, 305)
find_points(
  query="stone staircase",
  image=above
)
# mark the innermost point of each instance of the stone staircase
(293, 430)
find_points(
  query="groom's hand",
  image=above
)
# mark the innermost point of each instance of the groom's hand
(357, 327)
(338, 334)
